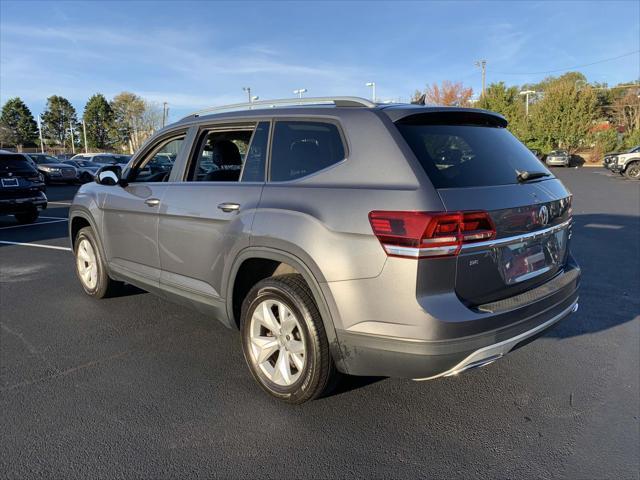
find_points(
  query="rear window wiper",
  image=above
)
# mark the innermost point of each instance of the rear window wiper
(525, 176)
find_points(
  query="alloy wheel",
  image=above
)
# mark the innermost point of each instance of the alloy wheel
(277, 344)
(87, 264)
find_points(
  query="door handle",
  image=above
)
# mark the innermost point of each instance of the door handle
(152, 202)
(229, 207)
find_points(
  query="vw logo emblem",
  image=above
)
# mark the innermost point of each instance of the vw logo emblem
(543, 215)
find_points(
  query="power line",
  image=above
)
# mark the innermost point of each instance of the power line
(571, 68)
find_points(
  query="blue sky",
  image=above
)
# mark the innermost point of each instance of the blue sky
(202, 53)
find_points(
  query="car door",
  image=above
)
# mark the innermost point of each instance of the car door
(130, 216)
(206, 218)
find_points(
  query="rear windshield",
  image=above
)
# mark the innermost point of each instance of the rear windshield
(14, 162)
(468, 155)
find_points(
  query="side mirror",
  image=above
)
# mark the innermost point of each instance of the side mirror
(109, 175)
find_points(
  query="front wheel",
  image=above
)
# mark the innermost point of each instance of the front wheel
(284, 341)
(90, 266)
(633, 171)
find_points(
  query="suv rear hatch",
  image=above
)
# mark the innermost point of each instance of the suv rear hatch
(18, 178)
(477, 165)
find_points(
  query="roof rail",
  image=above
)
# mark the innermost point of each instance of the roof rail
(337, 101)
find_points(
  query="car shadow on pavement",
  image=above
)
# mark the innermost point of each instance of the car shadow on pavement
(607, 249)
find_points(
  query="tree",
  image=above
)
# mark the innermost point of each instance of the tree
(564, 116)
(98, 120)
(449, 94)
(626, 109)
(135, 120)
(508, 102)
(17, 125)
(58, 119)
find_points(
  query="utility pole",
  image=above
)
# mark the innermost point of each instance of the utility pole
(526, 94)
(73, 143)
(40, 132)
(164, 114)
(483, 66)
(84, 133)
(248, 90)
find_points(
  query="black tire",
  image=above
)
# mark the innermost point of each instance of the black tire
(85, 177)
(105, 286)
(47, 180)
(318, 374)
(27, 217)
(633, 171)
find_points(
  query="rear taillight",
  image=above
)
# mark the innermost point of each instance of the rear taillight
(429, 234)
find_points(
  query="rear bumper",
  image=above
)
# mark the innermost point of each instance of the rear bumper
(493, 335)
(19, 205)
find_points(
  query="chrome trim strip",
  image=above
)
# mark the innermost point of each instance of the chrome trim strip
(492, 352)
(420, 252)
(499, 242)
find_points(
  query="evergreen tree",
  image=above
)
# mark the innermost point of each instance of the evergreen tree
(99, 122)
(17, 124)
(58, 119)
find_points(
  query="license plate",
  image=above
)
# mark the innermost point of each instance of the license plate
(9, 182)
(527, 260)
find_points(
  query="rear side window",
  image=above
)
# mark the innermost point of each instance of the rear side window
(456, 156)
(302, 148)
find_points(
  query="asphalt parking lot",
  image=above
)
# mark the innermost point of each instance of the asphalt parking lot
(137, 387)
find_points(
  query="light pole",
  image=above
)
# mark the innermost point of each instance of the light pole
(84, 133)
(526, 94)
(40, 132)
(248, 90)
(373, 89)
(73, 143)
(299, 92)
(483, 66)
(165, 111)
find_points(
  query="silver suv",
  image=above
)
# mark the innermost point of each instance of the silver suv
(339, 235)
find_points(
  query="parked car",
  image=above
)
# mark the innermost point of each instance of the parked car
(21, 188)
(104, 158)
(626, 163)
(384, 240)
(558, 158)
(65, 156)
(86, 169)
(53, 169)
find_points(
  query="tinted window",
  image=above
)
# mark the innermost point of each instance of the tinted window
(302, 148)
(257, 155)
(468, 155)
(14, 162)
(44, 159)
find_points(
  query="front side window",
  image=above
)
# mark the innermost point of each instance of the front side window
(302, 148)
(158, 163)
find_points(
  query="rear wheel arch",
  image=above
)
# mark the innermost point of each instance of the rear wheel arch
(272, 261)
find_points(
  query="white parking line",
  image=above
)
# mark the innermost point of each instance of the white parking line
(60, 203)
(61, 218)
(34, 224)
(52, 247)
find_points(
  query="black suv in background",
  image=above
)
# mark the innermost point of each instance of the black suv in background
(21, 188)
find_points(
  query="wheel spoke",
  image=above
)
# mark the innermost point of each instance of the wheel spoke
(267, 319)
(283, 368)
(288, 322)
(298, 361)
(295, 346)
(265, 346)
